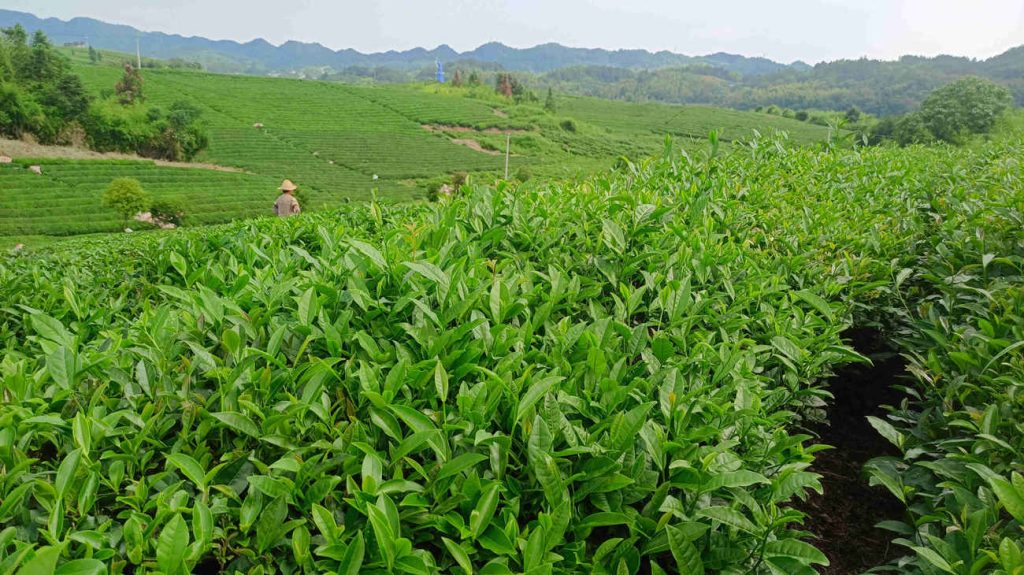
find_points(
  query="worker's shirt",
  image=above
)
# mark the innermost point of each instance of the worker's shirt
(286, 205)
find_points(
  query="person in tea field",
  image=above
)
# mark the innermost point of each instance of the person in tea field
(286, 204)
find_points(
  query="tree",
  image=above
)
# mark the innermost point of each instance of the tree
(965, 107)
(19, 113)
(126, 197)
(46, 65)
(503, 85)
(474, 79)
(41, 96)
(853, 115)
(94, 56)
(549, 102)
(457, 79)
(802, 115)
(184, 136)
(129, 89)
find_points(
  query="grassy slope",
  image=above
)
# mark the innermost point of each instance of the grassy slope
(333, 139)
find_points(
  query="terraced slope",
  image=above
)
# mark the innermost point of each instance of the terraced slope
(343, 143)
(336, 138)
(686, 121)
(65, 199)
(329, 137)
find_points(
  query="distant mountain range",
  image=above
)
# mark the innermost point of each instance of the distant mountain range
(262, 57)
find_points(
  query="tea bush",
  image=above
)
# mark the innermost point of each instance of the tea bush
(607, 376)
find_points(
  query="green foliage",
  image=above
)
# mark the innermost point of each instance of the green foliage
(38, 93)
(549, 102)
(303, 197)
(967, 107)
(459, 179)
(509, 86)
(334, 138)
(178, 136)
(182, 133)
(879, 87)
(168, 211)
(111, 127)
(19, 112)
(603, 376)
(126, 197)
(953, 113)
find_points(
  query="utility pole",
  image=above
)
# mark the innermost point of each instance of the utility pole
(138, 52)
(508, 145)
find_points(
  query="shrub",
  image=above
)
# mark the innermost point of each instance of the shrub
(912, 129)
(432, 191)
(549, 102)
(802, 115)
(459, 179)
(126, 197)
(568, 126)
(524, 174)
(177, 136)
(302, 196)
(19, 113)
(113, 128)
(168, 212)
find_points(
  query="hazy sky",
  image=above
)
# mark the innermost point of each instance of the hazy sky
(785, 30)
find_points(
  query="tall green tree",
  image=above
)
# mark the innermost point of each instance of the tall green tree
(965, 107)
(129, 89)
(549, 102)
(40, 94)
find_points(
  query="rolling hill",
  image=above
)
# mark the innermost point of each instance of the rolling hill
(260, 56)
(342, 143)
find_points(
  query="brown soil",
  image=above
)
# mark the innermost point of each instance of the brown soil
(28, 149)
(844, 517)
(475, 145)
(467, 130)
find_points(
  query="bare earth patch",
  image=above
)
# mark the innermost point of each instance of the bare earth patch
(19, 149)
(467, 130)
(475, 145)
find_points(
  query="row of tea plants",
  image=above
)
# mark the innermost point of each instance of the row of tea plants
(603, 377)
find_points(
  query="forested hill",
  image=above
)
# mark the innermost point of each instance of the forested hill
(875, 86)
(260, 57)
(728, 80)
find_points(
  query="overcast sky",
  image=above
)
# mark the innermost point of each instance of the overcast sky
(784, 30)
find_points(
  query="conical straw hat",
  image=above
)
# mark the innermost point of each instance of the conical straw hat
(288, 186)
